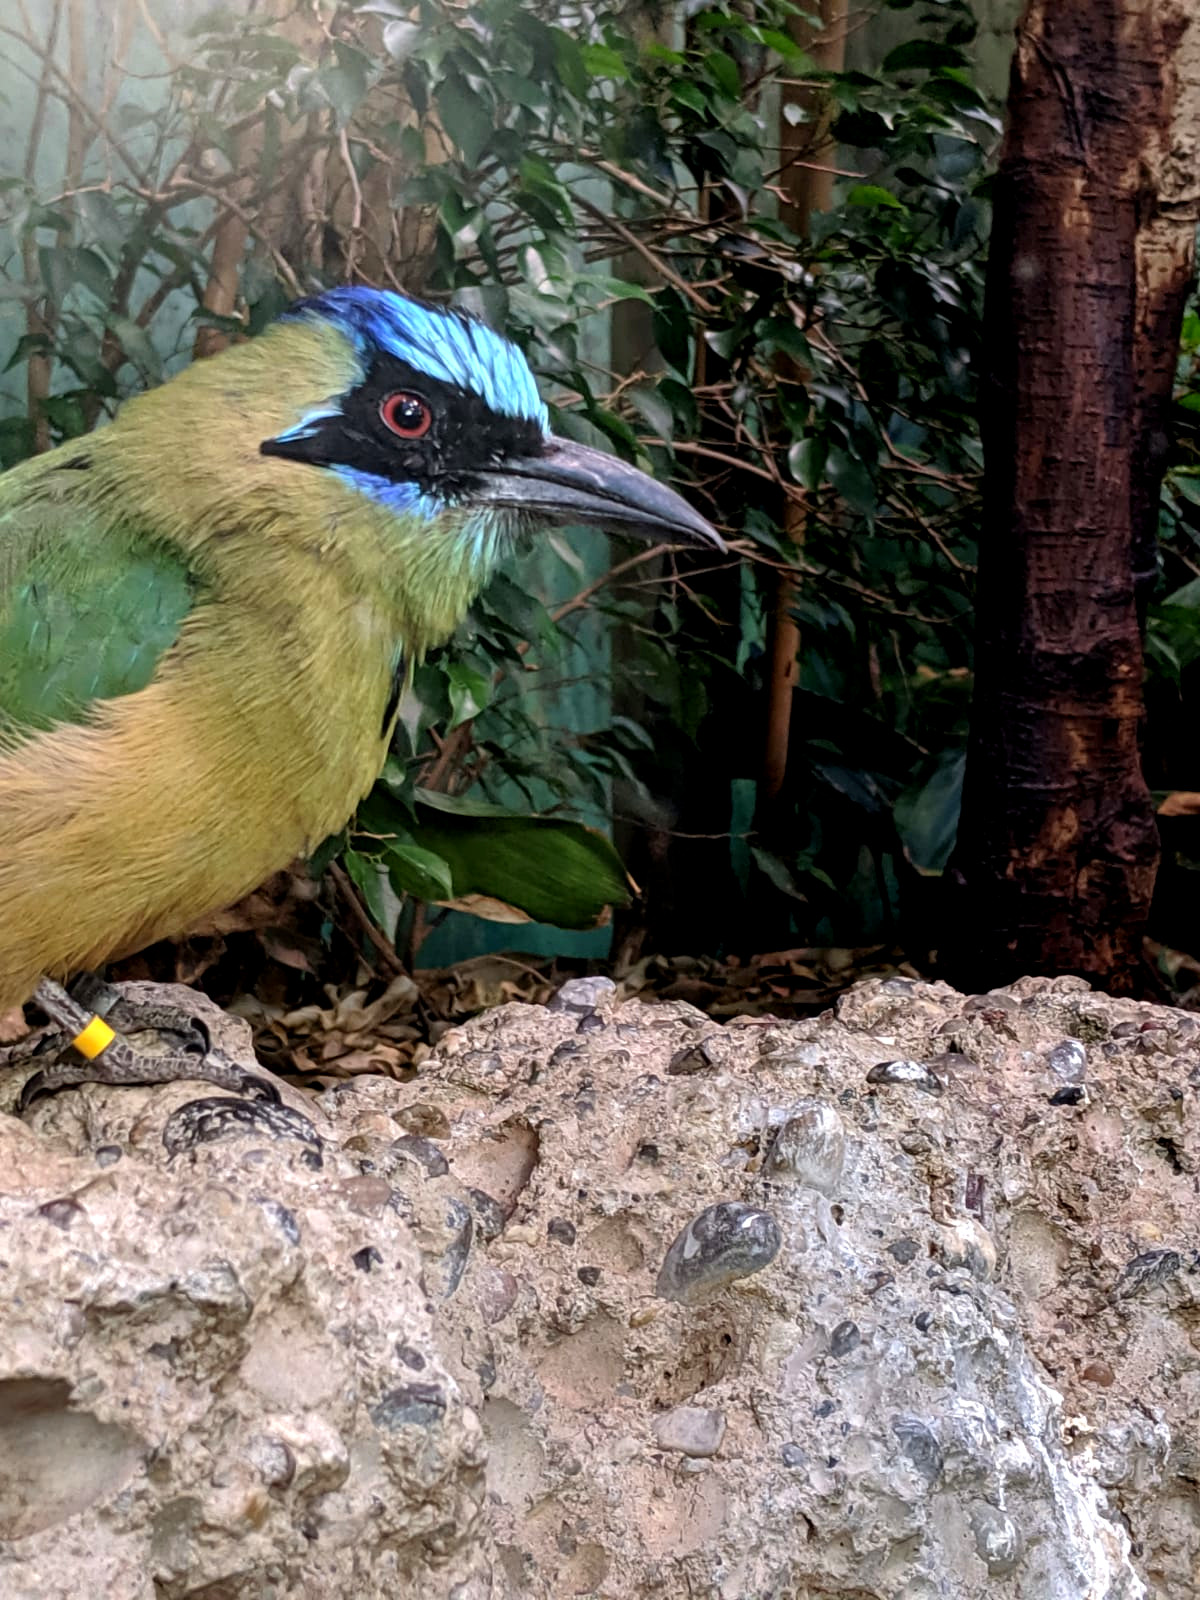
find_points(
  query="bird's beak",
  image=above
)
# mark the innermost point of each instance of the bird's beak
(572, 483)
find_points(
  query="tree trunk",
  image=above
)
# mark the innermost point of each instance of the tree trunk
(809, 154)
(1091, 260)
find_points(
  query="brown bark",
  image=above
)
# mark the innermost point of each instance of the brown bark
(224, 279)
(1091, 258)
(806, 181)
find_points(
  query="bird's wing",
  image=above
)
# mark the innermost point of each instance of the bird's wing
(88, 608)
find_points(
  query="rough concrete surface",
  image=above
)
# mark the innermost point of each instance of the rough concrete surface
(899, 1303)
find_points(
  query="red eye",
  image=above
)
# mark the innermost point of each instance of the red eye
(407, 415)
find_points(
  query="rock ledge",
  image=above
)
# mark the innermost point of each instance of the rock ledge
(899, 1303)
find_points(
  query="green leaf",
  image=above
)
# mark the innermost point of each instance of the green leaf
(470, 692)
(414, 870)
(619, 288)
(723, 341)
(922, 54)
(328, 850)
(852, 480)
(462, 805)
(506, 867)
(130, 116)
(66, 415)
(871, 194)
(602, 62)
(777, 873)
(722, 69)
(65, 268)
(654, 408)
(138, 346)
(783, 335)
(465, 117)
(797, 58)
(1186, 596)
(690, 96)
(345, 80)
(29, 344)
(101, 217)
(368, 880)
(400, 38)
(16, 440)
(682, 403)
(806, 459)
(926, 815)
(568, 64)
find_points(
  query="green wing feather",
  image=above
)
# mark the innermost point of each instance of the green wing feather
(88, 605)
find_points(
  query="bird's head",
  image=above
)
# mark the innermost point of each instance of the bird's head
(445, 423)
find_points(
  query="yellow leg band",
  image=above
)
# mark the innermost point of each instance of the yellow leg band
(95, 1039)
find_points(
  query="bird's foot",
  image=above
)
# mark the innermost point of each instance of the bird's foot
(140, 1016)
(92, 1052)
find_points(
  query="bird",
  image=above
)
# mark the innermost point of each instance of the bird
(210, 607)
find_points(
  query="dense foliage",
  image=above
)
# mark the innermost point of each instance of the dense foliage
(608, 185)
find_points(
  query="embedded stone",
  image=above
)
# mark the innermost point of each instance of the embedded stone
(809, 1147)
(909, 1074)
(1068, 1061)
(963, 1242)
(844, 1338)
(423, 1152)
(581, 995)
(998, 1540)
(215, 1121)
(919, 1443)
(725, 1242)
(691, 1430)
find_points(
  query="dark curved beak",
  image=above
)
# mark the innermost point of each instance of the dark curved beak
(573, 483)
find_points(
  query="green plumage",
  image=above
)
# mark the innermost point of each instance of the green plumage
(196, 653)
(86, 614)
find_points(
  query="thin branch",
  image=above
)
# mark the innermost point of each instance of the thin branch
(383, 945)
(38, 324)
(689, 448)
(354, 239)
(71, 95)
(282, 266)
(668, 274)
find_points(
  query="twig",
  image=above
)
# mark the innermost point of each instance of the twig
(578, 601)
(668, 274)
(73, 97)
(713, 455)
(356, 213)
(282, 266)
(383, 945)
(38, 323)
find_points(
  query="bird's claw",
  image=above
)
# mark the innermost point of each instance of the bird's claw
(136, 1016)
(121, 1064)
(117, 1061)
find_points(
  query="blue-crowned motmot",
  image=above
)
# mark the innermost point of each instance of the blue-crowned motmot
(208, 610)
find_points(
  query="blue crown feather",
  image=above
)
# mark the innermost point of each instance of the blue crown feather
(448, 345)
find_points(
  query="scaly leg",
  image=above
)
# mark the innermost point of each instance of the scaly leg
(136, 1016)
(101, 1056)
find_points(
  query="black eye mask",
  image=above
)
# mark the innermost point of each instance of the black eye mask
(464, 437)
